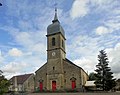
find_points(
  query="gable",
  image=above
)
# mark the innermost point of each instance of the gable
(74, 65)
(44, 67)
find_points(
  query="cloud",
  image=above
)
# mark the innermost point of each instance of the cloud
(83, 62)
(89, 62)
(84, 46)
(14, 67)
(28, 30)
(114, 60)
(15, 52)
(85, 52)
(102, 5)
(88, 47)
(113, 22)
(79, 9)
(1, 57)
(23, 38)
(110, 20)
(30, 43)
(25, 25)
(101, 30)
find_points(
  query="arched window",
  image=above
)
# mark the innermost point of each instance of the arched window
(62, 43)
(53, 41)
(53, 68)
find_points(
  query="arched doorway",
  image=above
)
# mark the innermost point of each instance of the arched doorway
(73, 83)
(53, 85)
(41, 86)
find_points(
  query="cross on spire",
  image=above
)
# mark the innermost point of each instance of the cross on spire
(55, 17)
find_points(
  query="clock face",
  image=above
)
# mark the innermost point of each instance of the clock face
(53, 53)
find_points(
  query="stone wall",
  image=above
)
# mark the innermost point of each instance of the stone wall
(73, 71)
(28, 85)
(41, 75)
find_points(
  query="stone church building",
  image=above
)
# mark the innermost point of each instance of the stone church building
(58, 73)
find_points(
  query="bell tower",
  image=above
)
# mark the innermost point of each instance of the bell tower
(55, 40)
(55, 53)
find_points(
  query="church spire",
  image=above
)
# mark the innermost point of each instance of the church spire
(55, 17)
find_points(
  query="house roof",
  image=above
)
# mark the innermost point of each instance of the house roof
(20, 78)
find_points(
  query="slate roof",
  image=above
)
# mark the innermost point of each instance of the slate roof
(55, 27)
(20, 78)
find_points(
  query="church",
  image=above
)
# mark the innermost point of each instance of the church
(58, 73)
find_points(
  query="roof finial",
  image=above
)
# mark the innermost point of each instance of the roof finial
(55, 9)
(55, 17)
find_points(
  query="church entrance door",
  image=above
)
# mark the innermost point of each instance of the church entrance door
(41, 86)
(53, 85)
(73, 85)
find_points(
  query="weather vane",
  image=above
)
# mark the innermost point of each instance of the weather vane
(55, 5)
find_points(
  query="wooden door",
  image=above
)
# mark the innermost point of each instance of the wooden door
(73, 84)
(41, 86)
(53, 85)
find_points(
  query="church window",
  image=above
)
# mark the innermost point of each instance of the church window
(28, 84)
(65, 80)
(64, 72)
(53, 68)
(53, 41)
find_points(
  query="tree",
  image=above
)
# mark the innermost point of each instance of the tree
(92, 76)
(1, 72)
(104, 78)
(4, 84)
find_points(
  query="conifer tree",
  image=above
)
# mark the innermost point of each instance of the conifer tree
(92, 76)
(104, 77)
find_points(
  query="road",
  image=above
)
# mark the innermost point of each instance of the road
(109, 93)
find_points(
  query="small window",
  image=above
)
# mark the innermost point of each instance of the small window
(53, 68)
(65, 80)
(28, 84)
(64, 72)
(53, 41)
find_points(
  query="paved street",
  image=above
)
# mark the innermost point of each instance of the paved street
(110, 93)
(114, 93)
